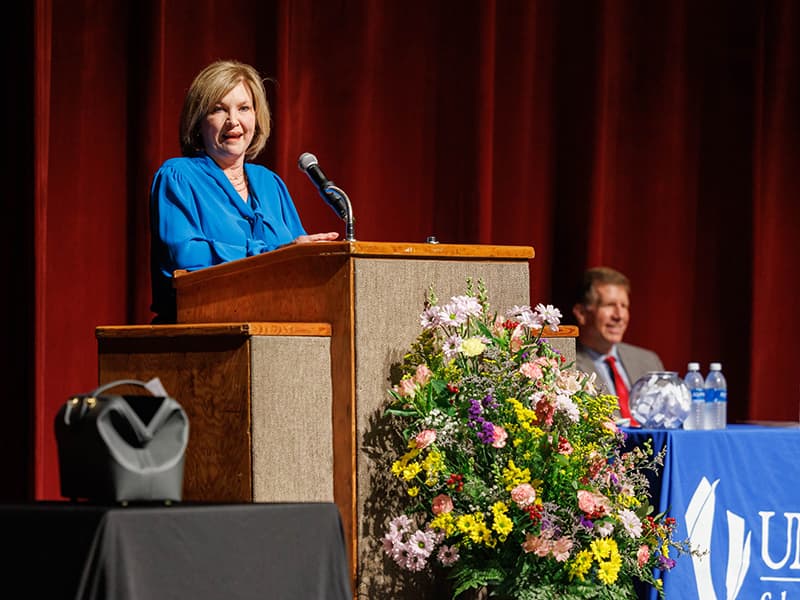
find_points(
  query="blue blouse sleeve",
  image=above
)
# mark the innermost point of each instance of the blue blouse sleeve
(179, 211)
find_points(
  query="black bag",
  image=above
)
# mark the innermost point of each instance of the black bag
(114, 448)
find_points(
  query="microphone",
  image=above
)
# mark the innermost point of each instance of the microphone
(327, 189)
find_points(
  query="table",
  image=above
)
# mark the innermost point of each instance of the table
(735, 492)
(237, 552)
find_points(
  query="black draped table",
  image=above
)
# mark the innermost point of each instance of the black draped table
(735, 493)
(233, 552)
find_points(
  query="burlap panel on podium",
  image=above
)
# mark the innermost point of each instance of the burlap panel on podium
(291, 420)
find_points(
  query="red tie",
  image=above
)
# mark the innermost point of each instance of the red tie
(622, 391)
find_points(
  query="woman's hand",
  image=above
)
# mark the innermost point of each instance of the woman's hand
(316, 237)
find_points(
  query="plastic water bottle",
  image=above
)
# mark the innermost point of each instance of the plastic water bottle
(694, 381)
(716, 398)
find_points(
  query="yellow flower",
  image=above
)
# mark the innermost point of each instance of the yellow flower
(608, 571)
(581, 565)
(472, 346)
(514, 476)
(525, 416)
(413, 491)
(502, 525)
(628, 501)
(433, 465)
(603, 547)
(474, 527)
(444, 522)
(609, 562)
(399, 465)
(411, 471)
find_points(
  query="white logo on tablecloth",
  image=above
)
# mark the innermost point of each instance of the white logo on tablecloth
(699, 523)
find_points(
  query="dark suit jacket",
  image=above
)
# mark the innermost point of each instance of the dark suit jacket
(635, 360)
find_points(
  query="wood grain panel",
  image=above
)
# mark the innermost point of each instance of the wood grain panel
(448, 251)
(209, 377)
(564, 331)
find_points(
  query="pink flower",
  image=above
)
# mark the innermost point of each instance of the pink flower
(442, 504)
(515, 343)
(643, 554)
(539, 545)
(423, 374)
(531, 370)
(500, 436)
(593, 504)
(424, 438)
(407, 388)
(561, 548)
(448, 555)
(498, 326)
(523, 495)
(564, 447)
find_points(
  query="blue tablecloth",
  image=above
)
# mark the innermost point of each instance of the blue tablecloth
(735, 492)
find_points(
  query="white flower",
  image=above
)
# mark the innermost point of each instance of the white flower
(525, 316)
(451, 346)
(605, 529)
(467, 305)
(549, 315)
(630, 522)
(565, 405)
(429, 318)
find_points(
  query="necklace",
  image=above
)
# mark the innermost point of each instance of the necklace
(239, 182)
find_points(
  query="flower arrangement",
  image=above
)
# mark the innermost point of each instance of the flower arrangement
(512, 467)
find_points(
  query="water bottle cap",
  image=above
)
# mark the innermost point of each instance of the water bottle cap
(716, 367)
(694, 366)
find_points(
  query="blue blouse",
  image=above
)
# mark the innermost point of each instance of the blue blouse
(197, 219)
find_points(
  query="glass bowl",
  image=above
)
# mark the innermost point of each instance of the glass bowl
(660, 400)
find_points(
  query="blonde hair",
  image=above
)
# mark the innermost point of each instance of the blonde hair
(210, 86)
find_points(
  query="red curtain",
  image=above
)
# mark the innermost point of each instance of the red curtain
(657, 138)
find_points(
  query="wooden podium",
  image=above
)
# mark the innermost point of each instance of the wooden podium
(372, 295)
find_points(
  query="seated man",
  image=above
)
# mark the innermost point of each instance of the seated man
(602, 312)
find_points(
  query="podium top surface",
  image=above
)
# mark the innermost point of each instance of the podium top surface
(277, 329)
(357, 249)
(425, 250)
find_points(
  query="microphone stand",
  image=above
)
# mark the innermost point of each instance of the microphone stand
(349, 221)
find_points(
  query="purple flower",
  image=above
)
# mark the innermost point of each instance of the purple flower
(486, 432)
(665, 563)
(490, 403)
(475, 409)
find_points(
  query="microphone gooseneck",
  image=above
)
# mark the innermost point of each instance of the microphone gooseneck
(334, 196)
